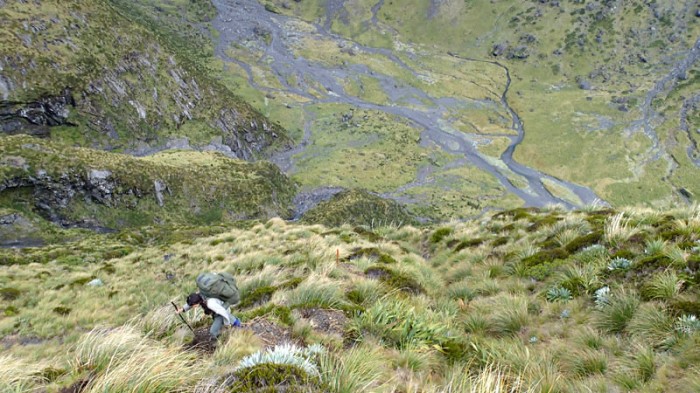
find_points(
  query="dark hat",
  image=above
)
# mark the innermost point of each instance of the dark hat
(194, 298)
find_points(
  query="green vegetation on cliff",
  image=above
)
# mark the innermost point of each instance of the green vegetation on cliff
(80, 186)
(109, 75)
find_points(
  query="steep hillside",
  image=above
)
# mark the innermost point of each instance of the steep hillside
(103, 74)
(518, 301)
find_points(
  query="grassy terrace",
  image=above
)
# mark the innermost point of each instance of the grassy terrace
(118, 190)
(521, 300)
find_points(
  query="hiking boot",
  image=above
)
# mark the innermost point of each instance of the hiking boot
(236, 323)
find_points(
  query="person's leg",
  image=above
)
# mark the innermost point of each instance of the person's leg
(215, 329)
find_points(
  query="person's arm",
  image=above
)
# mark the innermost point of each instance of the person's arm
(185, 307)
(217, 306)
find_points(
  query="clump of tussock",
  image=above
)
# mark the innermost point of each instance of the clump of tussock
(122, 359)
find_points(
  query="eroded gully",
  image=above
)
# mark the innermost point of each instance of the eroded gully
(246, 22)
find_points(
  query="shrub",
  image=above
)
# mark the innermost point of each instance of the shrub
(285, 354)
(468, 243)
(545, 256)
(61, 310)
(583, 241)
(256, 296)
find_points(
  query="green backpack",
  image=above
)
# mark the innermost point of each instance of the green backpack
(219, 285)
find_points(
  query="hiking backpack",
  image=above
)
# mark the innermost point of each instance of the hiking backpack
(219, 285)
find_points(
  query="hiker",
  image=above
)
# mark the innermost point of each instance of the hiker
(217, 292)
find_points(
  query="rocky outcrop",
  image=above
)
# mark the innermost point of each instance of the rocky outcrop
(35, 117)
(120, 82)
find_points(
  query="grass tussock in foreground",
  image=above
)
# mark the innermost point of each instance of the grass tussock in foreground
(519, 301)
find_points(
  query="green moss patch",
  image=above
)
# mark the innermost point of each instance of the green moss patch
(439, 234)
(371, 253)
(542, 222)
(271, 377)
(583, 241)
(61, 310)
(545, 256)
(257, 297)
(395, 279)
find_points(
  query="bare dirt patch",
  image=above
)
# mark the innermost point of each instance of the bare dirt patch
(76, 387)
(202, 342)
(324, 320)
(269, 332)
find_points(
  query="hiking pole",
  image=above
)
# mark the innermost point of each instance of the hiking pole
(181, 317)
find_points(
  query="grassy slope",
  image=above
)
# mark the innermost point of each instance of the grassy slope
(135, 79)
(204, 187)
(619, 49)
(514, 298)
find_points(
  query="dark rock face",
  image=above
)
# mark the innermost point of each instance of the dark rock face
(36, 117)
(52, 195)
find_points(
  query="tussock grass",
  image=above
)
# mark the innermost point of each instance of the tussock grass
(492, 379)
(585, 362)
(615, 316)
(316, 292)
(237, 345)
(366, 292)
(121, 359)
(476, 311)
(664, 286)
(509, 314)
(17, 375)
(619, 229)
(360, 369)
(652, 324)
